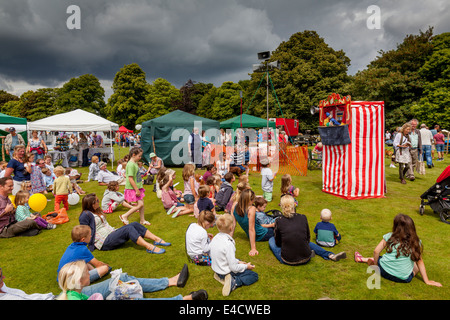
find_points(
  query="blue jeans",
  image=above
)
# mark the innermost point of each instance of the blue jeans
(131, 231)
(317, 249)
(245, 278)
(427, 154)
(148, 285)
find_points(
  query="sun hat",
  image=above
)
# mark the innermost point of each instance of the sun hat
(151, 155)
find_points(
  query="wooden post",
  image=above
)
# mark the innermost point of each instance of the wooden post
(3, 148)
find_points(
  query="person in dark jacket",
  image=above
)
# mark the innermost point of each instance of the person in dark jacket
(225, 192)
(291, 243)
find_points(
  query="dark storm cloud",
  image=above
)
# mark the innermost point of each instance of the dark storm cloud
(204, 40)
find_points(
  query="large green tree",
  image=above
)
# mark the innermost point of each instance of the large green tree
(161, 99)
(310, 71)
(32, 105)
(221, 103)
(433, 107)
(191, 94)
(84, 92)
(128, 101)
(6, 97)
(394, 77)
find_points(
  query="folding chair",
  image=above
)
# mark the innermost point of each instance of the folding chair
(313, 163)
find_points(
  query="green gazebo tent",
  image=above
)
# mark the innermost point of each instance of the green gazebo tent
(6, 119)
(156, 134)
(248, 121)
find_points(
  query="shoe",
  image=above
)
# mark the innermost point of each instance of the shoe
(226, 290)
(199, 295)
(412, 179)
(170, 210)
(161, 243)
(313, 254)
(183, 277)
(337, 257)
(403, 181)
(161, 251)
(429, 167)
(51, 226)
(176, 213)
(216, 277)
(392, 166)
(358, 257)
(124, 221)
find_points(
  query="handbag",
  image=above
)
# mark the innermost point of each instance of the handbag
(121, 290)
(421, 166)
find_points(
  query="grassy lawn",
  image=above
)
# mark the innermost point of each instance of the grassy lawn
(30, 263)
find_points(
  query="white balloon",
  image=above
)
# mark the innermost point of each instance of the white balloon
(138, 127)
(73, 199)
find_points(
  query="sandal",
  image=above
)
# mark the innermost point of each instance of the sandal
(146, 223)
(124, 221)
(358, 257)
(153, 250)
(161, 243)
(176, 213)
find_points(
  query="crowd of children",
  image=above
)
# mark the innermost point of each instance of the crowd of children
(213, 202)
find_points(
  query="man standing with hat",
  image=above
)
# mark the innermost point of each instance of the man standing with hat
(13, 139)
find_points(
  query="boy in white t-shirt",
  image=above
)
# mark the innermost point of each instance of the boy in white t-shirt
(230, 271)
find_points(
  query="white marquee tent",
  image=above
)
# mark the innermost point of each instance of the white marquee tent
(77, 120)
(74, 121)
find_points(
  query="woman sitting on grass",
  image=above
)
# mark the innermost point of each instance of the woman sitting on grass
(403, 258)
(291, 244)
(104, 237)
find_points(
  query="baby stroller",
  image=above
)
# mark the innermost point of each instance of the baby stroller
(438, 197)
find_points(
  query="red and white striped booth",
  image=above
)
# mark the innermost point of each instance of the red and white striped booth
(353, 169)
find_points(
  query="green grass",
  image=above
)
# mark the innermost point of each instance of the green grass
(30, 263)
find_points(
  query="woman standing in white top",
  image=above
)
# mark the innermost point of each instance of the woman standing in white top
(402, 154)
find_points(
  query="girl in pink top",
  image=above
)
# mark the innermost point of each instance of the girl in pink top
(169, 198)
(439, 140)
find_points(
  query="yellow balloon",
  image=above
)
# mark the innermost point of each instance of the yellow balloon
(12, 198)
(37, 202)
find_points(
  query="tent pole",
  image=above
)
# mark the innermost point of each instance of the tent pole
(111, 146)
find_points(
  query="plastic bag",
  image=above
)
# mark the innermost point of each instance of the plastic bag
(121, 290)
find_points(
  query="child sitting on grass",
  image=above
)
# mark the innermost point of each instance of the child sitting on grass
(403, 259)
(49, 177)
(198, 240)
(326, 233)
(261, 217)
(23, 211)
(228, 270)
(204, 203)
(225, 192)
(78, 250)
(169, 197)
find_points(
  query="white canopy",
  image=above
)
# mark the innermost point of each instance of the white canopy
(77, 120)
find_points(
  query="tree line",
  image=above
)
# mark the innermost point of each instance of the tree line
(413, 80)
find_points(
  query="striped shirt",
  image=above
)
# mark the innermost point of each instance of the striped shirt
(22, 212)
(102, 231)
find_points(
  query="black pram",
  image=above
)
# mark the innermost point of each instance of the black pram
(438, 197)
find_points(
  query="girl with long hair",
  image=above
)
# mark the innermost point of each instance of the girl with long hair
(403, 258)
(245, 214)
(134, 190)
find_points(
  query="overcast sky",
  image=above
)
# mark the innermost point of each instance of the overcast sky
(209, 41)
